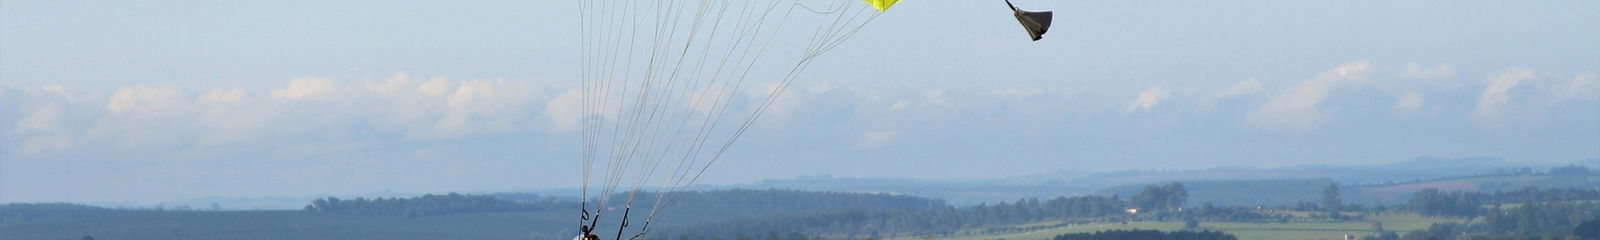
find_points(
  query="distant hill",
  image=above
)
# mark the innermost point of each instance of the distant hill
(1241, 192)
(1072, 183)
(448, 218)
(1060, 183)
(1392, 193)
(959, 193)
(1278, 192)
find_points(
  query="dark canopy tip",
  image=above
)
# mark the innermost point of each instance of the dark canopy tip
(1037, 23)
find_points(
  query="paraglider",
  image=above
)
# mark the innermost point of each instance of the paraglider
(1037, 23)
(881, 5)
(584, 233)
(664, 91)
(660, 79)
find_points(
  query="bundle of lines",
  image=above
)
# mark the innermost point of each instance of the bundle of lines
(667, 89)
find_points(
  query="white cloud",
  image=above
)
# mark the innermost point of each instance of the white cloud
(566, 110)
(781, 108)
(824, 87)
(1585, 86)
(41, 131)
(1356, 72)
(472, 90)
(230, 120)
(45, 119)
(480, 107)
(57, 89)
(1017, 94)
(1246, 87)
(1410, 102)
(935, 97)
(1492, 102)
(901, 104)
(144, 119)
(145, 99)
(233, 96)
(708, 98)
(435, 87)
(465, 103)
(877, 139)
(1415, 70)
(1147, 99)
(141, 118)
(1296, 108)
(395, 82)
(42, 144)
(305, 88)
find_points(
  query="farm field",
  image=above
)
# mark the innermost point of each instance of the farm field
(1245, 231)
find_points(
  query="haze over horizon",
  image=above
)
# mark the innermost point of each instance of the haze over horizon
(156, 101)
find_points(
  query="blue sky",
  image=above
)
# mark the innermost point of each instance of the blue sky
(154, 101)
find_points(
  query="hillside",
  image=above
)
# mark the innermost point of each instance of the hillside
(1071, 183)
(1245, 231)
(538, 220)
(1279, 192)
(1046, 185)
(1241, 192)
(1389, 193)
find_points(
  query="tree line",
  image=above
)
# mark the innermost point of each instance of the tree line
(768, 236)
(1138, 234)
(1539, 218)
(887, 223)
(692, 204)
(425, 205)
(1166, 202)
(1155, 202)
(1432, 202)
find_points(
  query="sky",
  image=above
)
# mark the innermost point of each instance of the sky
(149, 101)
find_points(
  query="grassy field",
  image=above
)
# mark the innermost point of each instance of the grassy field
(1517, 205)
(284, 225)
(244, 225)
(1245, 231)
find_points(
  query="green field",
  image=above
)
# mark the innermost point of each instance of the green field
(144, 224)
(460, 219)
(1245, 231)
(282, 225)
(538, 225)
(1517, 205)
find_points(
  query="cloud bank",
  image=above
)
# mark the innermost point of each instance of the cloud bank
(402, 126)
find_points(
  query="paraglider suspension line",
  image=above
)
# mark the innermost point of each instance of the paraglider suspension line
(624, 224)
(642, 230)
(583, 222)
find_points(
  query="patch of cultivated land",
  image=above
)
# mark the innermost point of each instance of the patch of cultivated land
(1245, 231)
(1391, 193)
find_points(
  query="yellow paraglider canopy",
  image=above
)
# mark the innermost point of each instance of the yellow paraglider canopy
(882, 5)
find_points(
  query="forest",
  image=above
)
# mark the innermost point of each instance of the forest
(1147, 235)
(793, 214)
